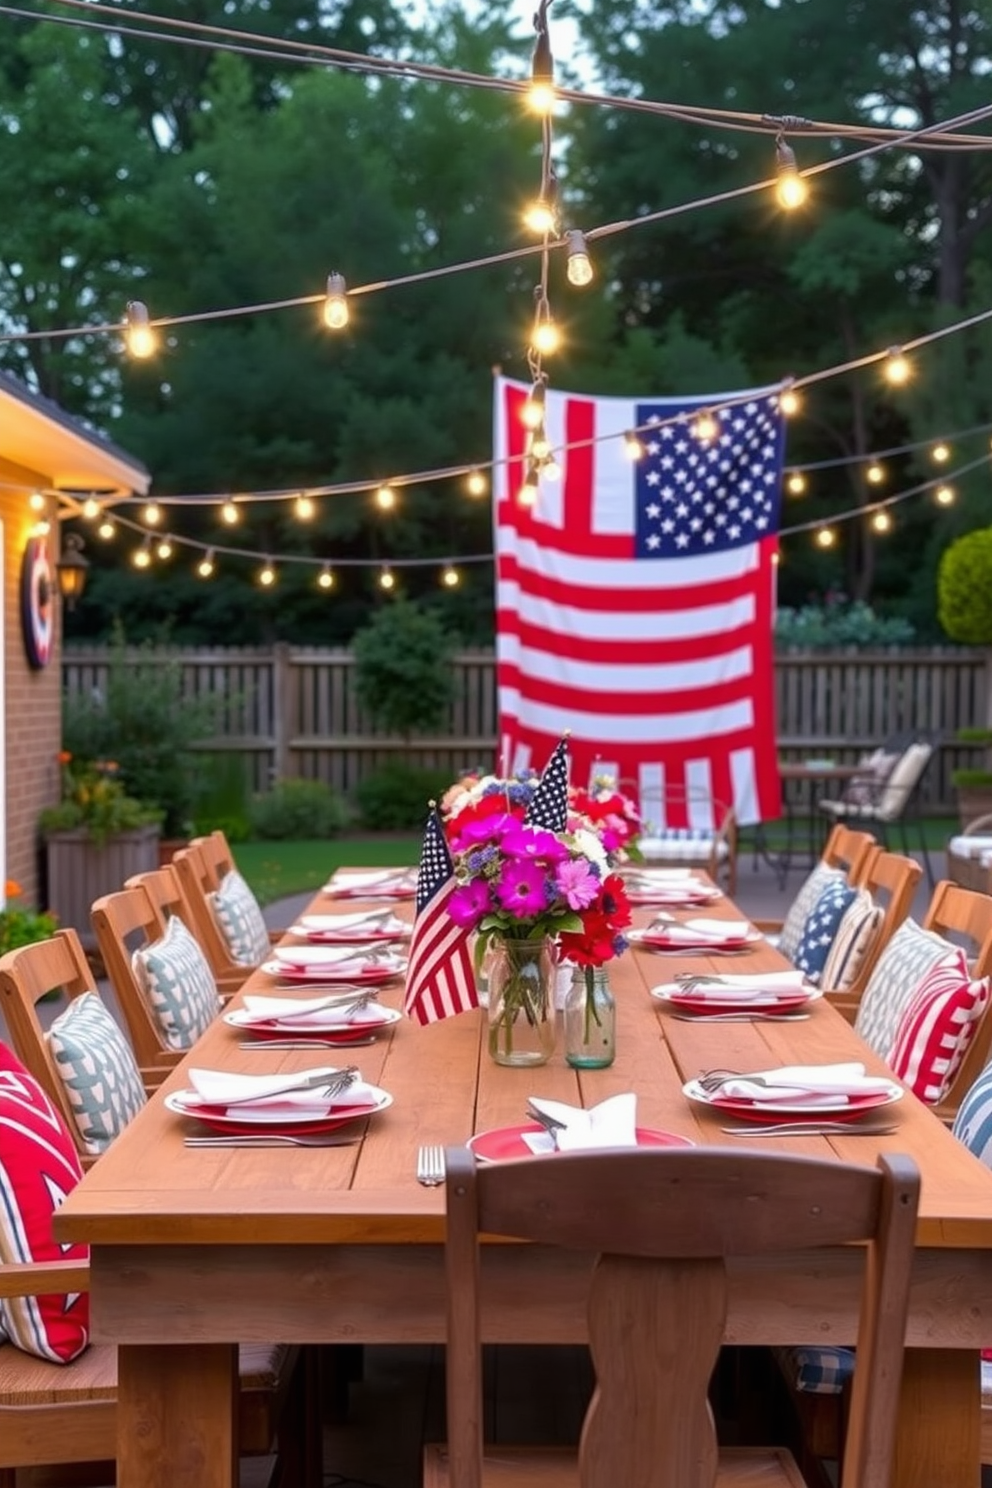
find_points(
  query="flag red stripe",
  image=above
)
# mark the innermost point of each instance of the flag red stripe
(656, 600)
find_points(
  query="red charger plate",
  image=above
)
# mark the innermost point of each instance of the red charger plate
(371, 974)
(220, 1119)
(711, 1004)
(768, 1111)
(506, 1142)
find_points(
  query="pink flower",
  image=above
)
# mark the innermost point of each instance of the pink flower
(485, 829)
(576, 883)
(533, 843)
(520, 888)
(469, 902)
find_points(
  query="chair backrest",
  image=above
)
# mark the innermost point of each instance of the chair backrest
(27, 974)
(662, 1227)
(197, 867)
(850, 851)
(686, 826)
(964, 917)
(122, 922)
(904, 779)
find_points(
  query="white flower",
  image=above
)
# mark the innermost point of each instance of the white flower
(589, 845)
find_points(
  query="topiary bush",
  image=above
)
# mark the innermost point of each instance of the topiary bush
(964, 588)
(297, 810)
(403, 673)
(395, 798)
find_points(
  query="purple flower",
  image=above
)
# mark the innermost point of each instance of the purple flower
(521, 888)
(485, 829)
(476, 862)
(577, 883)
(533, 843)
(469, 902)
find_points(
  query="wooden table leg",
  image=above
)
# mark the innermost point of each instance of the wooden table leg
(939, 1420)
(177, 1416)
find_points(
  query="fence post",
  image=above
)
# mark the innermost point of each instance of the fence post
(280, 710)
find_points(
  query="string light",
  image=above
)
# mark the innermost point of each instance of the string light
(36, 502)
(325, 579)
(106, 529)
(527, 495)
(475, 483)
(898, 369)
(336, 314)
(139, 338)
(875, 474)
(229, 513)
(205, 567)
(825, 537)
(547, 337)
(91, 508)
(940, 454)
(882, 521)
(541, 217)
(790, 402)
(450, 577)
(142, 557)
(152, 514)
(385, 498)
(267, 574)
(538, 445)
(304, 507)
(532, 413)
(541, 93)
(164, 549)
(791, 189)
(795, 483)
(579, 269)
(944, 495)
(632, 446)
(550, 469)
(706, 427)
(387, 579)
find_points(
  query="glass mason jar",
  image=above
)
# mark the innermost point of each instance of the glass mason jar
(521, 1007)
(590, 1020)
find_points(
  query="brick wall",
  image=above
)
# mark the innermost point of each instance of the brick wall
(33, 698)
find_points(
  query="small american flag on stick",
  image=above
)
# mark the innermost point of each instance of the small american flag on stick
(439, 979)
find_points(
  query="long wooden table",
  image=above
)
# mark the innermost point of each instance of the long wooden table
(193, 1249)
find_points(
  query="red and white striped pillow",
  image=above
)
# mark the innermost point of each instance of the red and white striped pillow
(936, 1027)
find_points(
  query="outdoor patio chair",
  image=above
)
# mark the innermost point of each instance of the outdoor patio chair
(168, 893)
(886, 803)
(845, 851)
(227, 919)
(690, 827)
(662, 1228)
(889, 880)
(969, 856)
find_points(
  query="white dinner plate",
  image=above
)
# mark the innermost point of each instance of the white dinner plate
(319, 1021)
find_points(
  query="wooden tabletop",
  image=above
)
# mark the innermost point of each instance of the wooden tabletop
(149, 1189)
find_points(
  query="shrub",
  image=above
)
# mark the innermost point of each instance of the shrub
(403, 669)
(395, 797)
(297, 810)
(964, 588)
(838, 621)
(20, 927)
(94, 798)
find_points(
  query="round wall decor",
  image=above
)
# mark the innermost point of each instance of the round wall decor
(37, 603)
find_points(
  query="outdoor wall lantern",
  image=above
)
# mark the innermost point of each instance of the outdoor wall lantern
(72, 569)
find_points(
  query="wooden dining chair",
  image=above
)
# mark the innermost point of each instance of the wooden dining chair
(202, 867)
(662, 1229)
(690, 828)
(168, 893)
(964, 917)
(890, 879)
(849, 850)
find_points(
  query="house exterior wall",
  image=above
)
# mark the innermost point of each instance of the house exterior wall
(33, 698)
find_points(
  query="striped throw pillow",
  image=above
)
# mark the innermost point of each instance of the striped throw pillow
(973, 1123)
(897, 973)
(856, 937)
(809, 893)
(936, 1027)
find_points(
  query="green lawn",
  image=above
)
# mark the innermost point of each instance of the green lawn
(275, 869)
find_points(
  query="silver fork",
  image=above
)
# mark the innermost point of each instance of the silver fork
(711, 1080)
(742, 1017)
(278, 1046)
(810, 1129)
(273, 1139)
(430, 1165)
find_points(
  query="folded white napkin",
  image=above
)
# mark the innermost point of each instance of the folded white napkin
(743, 988)
(660, 876)
(317, 1010)
(805, 1084)
(319, 955)
(341, 924)
(613, 1123)
(372, 882)
(273, 1092)
(697, 932)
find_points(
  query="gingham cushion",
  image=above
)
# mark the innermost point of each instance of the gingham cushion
(973, 1123)
(821, 926)
(180, 986)
(898, 972)
(98, 1070)
(816, 1371)
(854, 941)
(936, 1027)
(239, 919)
(809, 893)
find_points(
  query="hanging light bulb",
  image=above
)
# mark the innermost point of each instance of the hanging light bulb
(875, 474)
(91, 508)
(230, 514)
(579, 269)
(205, 567)
(267, 574)
(550, 469)
(541, 93)
(777, 557)
(796, 483)
(475, 483)
(791, 189)
(336, 303)
(139, 336)
(547, 337)
(898, 368)
(36, 501)
(632, 446)
(450, 577)
(142, 556)
(386, 580)
(790, 402)
(945, 495)
(706, 427)
(940, 454)
(882, 522)
(304, 507)
(152, 514)
(825, 537)
(106, 529)
(527, 495)
(538, 445)
(540, 217)
(164, 548)
(532, 413)
(385, 498)
(325, 579)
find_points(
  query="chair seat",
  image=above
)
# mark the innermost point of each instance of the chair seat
(686, 846)
(979, 846)
(550, 1467)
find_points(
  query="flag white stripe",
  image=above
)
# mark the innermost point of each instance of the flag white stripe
(743, 771)
(603, 678)
(629, 728)
(714, 620)
(704, 569)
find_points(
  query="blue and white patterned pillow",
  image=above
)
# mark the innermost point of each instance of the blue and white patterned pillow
(179, 984)
(820, 929)
(973, 1123)
(98, 1069)
(809, 893)
(239, 919)
(897, 973)
(855, 940)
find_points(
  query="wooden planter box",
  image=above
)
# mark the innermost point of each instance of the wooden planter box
(79, 871)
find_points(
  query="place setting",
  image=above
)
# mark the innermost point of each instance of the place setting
(334, 963)
(396, 883)
(666, 934)
(760, 995)
(798, 1100)
(675, 887)
(361, 928)
(552, 1126)
(262, 1109)
(348, 1017)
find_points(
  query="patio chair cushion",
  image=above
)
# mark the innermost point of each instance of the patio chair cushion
(98, 1069)
(936, 1027)
(820, 928)
(973, 1122)
(39, 1165)
(239, 919)
(977, 846)
(898, 972)
(816, 1370)
(181, 989)
(855, 938)
(685, 844)
(809, 893)
(874, 768)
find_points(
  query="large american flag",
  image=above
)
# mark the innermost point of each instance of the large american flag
(439, 977)
(635, 600)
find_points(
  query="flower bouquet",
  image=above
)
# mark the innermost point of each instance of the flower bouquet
(613, 816)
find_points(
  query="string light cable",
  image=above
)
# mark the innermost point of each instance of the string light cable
(852, 514)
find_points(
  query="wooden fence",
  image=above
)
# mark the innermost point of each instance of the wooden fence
(291, 710)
